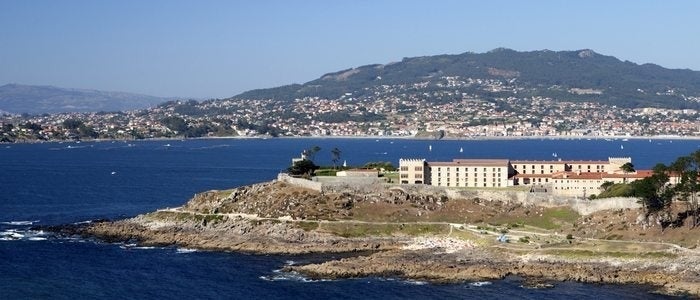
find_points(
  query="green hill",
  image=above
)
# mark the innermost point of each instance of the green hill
(582, 75)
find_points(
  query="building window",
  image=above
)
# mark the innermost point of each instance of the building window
(419, 169)
(404, 168)
(404, 175)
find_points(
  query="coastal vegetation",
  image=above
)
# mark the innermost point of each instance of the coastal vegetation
(657, 193)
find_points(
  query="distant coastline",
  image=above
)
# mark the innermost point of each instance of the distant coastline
(370, 137)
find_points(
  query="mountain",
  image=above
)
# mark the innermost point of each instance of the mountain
(581, 75)
(32, 99)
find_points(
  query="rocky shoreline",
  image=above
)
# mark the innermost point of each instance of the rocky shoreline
(209, 222)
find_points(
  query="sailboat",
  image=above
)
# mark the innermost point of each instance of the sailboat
(430, 147)
(461, 149)
(554, 154)
(622, 147)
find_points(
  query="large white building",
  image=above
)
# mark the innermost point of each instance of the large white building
(570, 178)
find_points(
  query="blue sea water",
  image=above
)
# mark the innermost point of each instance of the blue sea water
(57, 183)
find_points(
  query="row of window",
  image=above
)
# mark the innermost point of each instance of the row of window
(467, 174)
(467, 185)
(466, 169)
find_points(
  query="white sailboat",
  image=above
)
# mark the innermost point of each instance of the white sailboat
(430, 147)
(622, 147)
(461, 149)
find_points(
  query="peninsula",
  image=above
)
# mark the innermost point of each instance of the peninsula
(426, 232)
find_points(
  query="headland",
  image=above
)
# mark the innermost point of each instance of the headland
(425, 232)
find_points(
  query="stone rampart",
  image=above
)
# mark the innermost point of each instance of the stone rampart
(581, 205)
(300, 182)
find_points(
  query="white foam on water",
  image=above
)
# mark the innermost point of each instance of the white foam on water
(416, 282)
(19, 223)
(36, 238)
(185, 250)
(144, 248)
(289, 262)
(480, 283)
(290, 276)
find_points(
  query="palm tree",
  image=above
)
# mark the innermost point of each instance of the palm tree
(628, 167)
(336, 156)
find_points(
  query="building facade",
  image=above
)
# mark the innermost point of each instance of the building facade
(412, 171)
(570, 178)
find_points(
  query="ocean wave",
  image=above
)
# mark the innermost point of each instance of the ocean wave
(21, 235)
(480, 283)
(290, 276)
(144, 248)
(19, 223)
(185, 250)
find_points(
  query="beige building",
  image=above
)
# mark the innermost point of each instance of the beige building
(456, 173)
(469, 173)
(570, 178)
(412, 171)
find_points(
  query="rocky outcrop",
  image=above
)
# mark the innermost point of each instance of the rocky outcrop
(280, 218)
(227, 234)
(480, 265)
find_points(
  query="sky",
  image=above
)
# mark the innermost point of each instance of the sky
(217, 49)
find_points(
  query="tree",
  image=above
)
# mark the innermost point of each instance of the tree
(302, 167)
(311, 152)
(72, 124)
(176, 124)
(626, 168)
(654, 192)
(686, 167)
(336, 156)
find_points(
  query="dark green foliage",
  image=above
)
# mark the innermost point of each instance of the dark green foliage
(616, 190)
(176, 124)
(335, 156)
(302, 167)
(688, 168)
(72, 124)
(380, 165)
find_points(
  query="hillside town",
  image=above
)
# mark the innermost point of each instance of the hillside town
(441, 109)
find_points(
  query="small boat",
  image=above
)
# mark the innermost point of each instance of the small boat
(622, 147)
(430, 147)
(461, 149)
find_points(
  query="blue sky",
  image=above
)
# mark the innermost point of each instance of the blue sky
(208, 49)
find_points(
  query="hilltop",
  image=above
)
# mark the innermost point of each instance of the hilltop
(581, 75)
(34, 99)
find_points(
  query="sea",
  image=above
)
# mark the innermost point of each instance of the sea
(60, 183)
